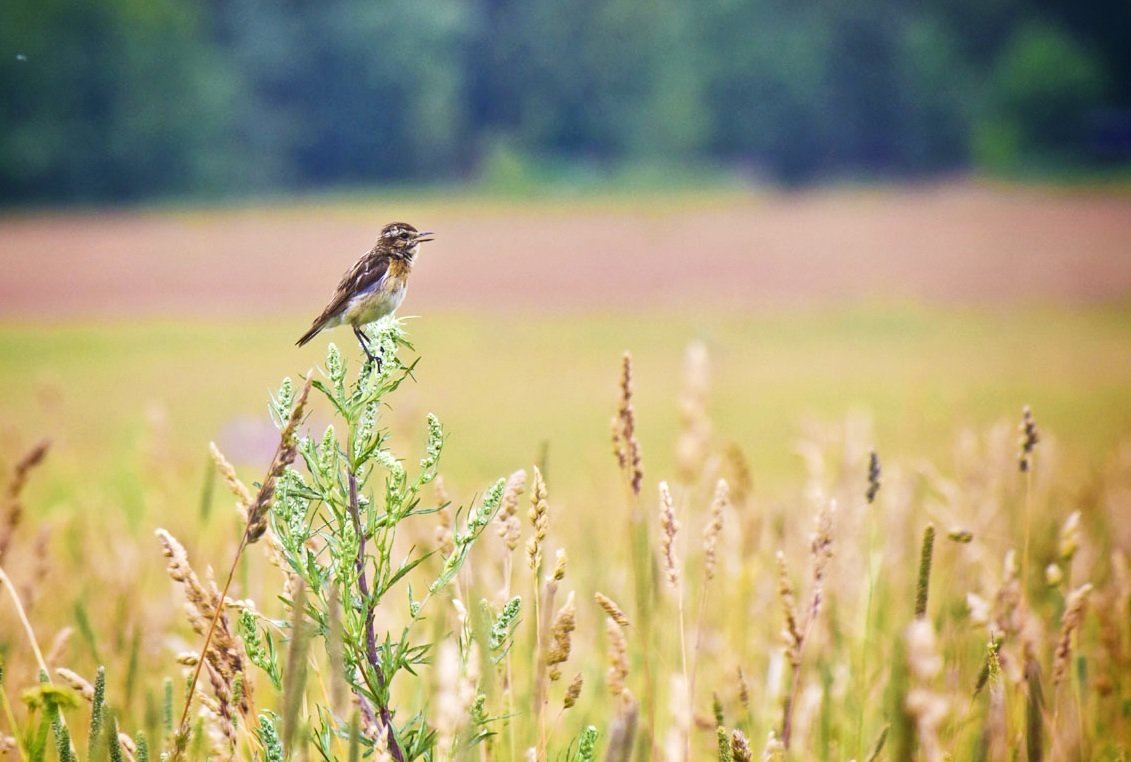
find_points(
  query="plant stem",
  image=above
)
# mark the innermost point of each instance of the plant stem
(863, 695)
(6, 581)
(1028, 521)
(370, 627)
(543, 612)
(644, 592)
(182, 726)
(508, 677)
(686, 676)
(698, 635)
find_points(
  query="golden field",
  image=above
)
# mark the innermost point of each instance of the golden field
(914, 324)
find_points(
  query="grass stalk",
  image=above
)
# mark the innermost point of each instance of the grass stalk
(1028, 531)
(626, 449)
(1034, 711)
(6, 582)
(1030, 436)
(711, 534)
(923, 583)
(863, 679)
(254, 529)
(878, 746)
(11, 717)
(869, 570)
(669, 533)
(21, 614)
(796, 633)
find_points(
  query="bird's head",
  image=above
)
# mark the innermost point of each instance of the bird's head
(402, 240)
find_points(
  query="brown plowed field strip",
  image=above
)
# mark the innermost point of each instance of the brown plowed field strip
(960, 243)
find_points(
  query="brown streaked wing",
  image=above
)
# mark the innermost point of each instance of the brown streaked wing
(366, 273)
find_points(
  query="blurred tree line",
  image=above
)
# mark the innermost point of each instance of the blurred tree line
(121, 99)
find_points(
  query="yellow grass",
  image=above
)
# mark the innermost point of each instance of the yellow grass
(132, 406)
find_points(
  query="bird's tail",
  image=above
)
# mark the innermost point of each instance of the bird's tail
(314, 331)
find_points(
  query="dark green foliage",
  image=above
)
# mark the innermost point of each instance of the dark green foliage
(1044, 89)
(121, 100)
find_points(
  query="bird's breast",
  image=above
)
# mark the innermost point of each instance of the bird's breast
(376, 303)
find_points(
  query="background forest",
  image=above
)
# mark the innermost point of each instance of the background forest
(121, 100)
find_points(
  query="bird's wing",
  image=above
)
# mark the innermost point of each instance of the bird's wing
(362, 277)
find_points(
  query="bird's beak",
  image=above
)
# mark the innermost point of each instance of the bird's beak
(424, 236)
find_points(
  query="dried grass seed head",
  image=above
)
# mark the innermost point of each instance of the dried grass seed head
(560, 562)
(714, 528)
(626, 446)
(235, 485)
(510, 528)
(284, 457)
(743, 690)
(791, 632)
(694, 438)
(960, 535)
(76, 681)
(610, 607)
(741, 482)
(740, 747)
(13, 506)
(1068, 542)
(821, 546)
(873, 477)
(223, 655)
(573, 691)
(539, 520)
(561, 632)
(1029, 437)
(618, 658)
(669, 531)
(1070, 621)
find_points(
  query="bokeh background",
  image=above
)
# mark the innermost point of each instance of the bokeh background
(918, 214)
(888, 224)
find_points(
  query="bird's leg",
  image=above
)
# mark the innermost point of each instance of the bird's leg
(364, 341)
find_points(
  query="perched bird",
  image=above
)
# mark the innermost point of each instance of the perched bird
(374, 287)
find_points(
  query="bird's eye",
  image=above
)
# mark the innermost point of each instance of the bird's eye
(404, 234)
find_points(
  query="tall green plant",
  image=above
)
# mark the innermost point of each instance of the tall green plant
(337, 525)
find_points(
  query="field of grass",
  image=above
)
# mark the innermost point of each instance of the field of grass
(131, 407)
(789, 403)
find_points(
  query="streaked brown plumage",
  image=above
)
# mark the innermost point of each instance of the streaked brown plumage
(375, 286)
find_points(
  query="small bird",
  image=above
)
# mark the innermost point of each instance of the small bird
(374, 287)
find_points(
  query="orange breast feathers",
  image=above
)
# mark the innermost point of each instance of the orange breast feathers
(396, 275)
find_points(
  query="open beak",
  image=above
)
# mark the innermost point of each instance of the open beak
(424, 236)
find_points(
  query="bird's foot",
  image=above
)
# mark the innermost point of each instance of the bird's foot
(373, 359)
(363, 340)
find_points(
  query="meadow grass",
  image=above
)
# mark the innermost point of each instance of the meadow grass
(109, 391)
(802, 397)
